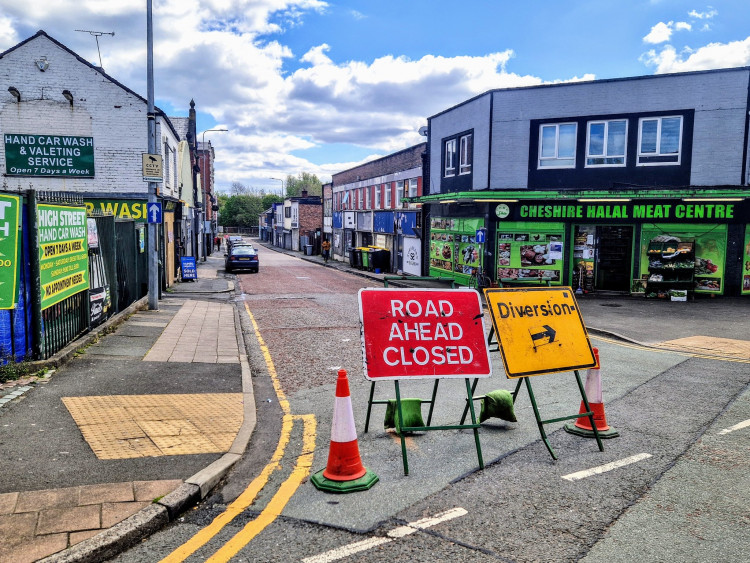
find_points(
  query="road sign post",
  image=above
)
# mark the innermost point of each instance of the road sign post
(540, 330)
(423, 334)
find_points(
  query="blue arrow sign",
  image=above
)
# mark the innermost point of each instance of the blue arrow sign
(154, 212)
(480, 236)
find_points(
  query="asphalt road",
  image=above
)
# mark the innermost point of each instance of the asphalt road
(683, 496)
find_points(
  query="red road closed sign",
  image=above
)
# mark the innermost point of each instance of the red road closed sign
(422, 333)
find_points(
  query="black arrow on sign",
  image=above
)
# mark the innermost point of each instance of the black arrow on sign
(549, 332)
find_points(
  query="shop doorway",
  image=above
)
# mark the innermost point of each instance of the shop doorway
(614, 257)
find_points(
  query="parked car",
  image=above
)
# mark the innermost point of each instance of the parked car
(234, 239)
(241, 257)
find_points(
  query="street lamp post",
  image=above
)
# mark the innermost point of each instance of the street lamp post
(282, 185)
(204, 166)
(153, 259)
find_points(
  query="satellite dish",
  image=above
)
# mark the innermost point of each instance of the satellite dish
(423, 130)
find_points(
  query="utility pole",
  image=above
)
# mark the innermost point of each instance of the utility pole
(153, 258)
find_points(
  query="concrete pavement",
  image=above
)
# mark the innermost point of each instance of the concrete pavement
(140, 420)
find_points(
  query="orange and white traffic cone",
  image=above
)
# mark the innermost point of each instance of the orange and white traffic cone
(344, 472)
(593, 388)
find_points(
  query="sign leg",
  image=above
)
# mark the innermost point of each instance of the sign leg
(432, 401)
(538, 418)
(466, 408)
(369, 406)
(400, 416)
(469, 394)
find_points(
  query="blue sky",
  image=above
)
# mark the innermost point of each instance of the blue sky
(320, 86)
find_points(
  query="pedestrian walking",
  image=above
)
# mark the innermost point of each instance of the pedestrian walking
(326, 246)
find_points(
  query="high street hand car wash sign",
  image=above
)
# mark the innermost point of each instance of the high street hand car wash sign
(63, 252)
(49, 155)
(422, 333)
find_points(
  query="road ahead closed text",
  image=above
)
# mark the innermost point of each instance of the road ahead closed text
(422, 333)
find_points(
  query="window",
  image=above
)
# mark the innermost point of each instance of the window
(465, 155)
(288, 212)
(388, 196)
(412, 187)
(450, 158)
(557, 145)
(399, 193)
(361, 199)
(367, 198)
(659, 140)
(605, 143)
(377, 197)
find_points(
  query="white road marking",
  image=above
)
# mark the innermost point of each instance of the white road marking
(606, 467)
(738, 426)
(400, 532)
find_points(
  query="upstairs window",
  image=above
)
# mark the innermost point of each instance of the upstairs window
(412, 187)
(450, 158)
(605, 143)
(399, 193)
(659, 140)
(377, 197)
(367, 198)
(388, 196)
(557, 145)
(465, 154)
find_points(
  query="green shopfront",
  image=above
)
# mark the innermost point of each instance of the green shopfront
(593, 244)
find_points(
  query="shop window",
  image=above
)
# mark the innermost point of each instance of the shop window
(606, 143)
(465, 154)
(450, 158)
(659, 140)
(557, 145)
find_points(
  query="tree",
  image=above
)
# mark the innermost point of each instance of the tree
(303, 181)
(238, 188)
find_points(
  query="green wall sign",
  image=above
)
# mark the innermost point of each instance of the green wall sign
(63, 252)
(631, 211)
(10, 212)
(49, 155)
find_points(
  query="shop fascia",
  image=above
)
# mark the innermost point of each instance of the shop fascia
(655, 205)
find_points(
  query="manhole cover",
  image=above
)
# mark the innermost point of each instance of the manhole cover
(611, 304)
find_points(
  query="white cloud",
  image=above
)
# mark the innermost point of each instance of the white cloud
(229, 56)
(662, 32)
(707, 15)
(713, 55)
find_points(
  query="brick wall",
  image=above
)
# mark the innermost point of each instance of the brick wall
(102, 109)
(396, 162)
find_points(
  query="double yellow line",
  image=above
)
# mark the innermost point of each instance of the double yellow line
(280, 499)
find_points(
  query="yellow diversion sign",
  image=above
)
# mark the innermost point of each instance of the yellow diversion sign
(540, 330)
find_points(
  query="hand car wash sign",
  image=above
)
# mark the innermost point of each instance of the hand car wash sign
(49, 155)
(422, 333)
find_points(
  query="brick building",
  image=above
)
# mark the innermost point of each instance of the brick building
(368, 208)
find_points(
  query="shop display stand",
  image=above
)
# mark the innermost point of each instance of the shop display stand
(671, 266)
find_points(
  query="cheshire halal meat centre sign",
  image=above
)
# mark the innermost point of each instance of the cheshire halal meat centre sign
(49, 155)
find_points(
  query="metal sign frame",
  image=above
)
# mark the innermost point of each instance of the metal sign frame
(370, 315)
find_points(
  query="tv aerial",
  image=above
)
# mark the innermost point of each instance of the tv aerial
(97, 35)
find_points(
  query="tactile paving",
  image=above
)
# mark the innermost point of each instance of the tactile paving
(131, 426)
(711, 345)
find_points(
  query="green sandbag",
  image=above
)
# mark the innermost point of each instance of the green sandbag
(411, 409)
(497, 404)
